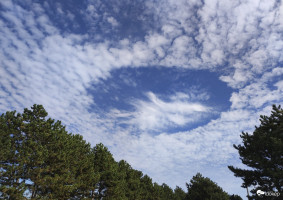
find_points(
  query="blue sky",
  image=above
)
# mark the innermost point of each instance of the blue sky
(166, 85)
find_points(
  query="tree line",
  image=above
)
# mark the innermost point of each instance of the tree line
(39, 159)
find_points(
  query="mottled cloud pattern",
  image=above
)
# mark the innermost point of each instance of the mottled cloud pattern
(54, 56)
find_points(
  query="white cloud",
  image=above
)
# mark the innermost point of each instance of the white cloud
(228, 32)
(259, 93)
(112, 21)
(279, 85)
(38, 65)
(204, 149)
(156, 114)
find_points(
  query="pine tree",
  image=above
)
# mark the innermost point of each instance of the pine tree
(12, 161)
(166, 192)
(132, 181)
(262, 152)
(46, 145)
(201, 188)
(235, 197)
(179, 193)
(157, 192)
(147, 188)
(38, 155)
(109, 185)
(81, 166)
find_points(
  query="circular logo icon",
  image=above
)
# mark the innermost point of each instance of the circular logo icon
(260, 193)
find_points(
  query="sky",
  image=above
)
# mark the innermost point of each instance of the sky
(166, 85)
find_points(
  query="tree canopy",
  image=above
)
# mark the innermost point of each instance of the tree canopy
(262, 153)
(201, 188)
(39, 159)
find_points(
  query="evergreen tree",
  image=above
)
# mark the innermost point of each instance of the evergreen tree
(157, 191)
(147, 188)
(166, 192)
(262, 152)
(109, 185)
(81, 166)
(132, 181)
(235, 197)
(47, 145)
(201, 188)
(179, 193)
(39, 155)
(12, 161)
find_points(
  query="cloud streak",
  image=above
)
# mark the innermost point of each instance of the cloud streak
(156, 114)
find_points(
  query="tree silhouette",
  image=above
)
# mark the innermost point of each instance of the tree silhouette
(262, 152)
(39, 159)
(201, 188)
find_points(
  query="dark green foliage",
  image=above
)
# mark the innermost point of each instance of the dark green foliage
(47, 145)
(166, 192)
(109, 185)
(157, 192)
(147, 188)
(201, 188)
(38, 156)
(235, 197)
(132, 184)
(179, 194)
(39, 159)
(262, 152)
(11, 159)
(82, 168)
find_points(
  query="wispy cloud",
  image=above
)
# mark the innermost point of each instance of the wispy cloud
(240, 40)
(157, 114)
(262, 92)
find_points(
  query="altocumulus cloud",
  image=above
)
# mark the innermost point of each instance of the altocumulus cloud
(240, 40)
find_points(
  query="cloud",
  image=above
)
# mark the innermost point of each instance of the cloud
(279, 85)
(112, 21)
(156, 114)
(242, 36)
(205, 149)
(260, 93)
(239, 40)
